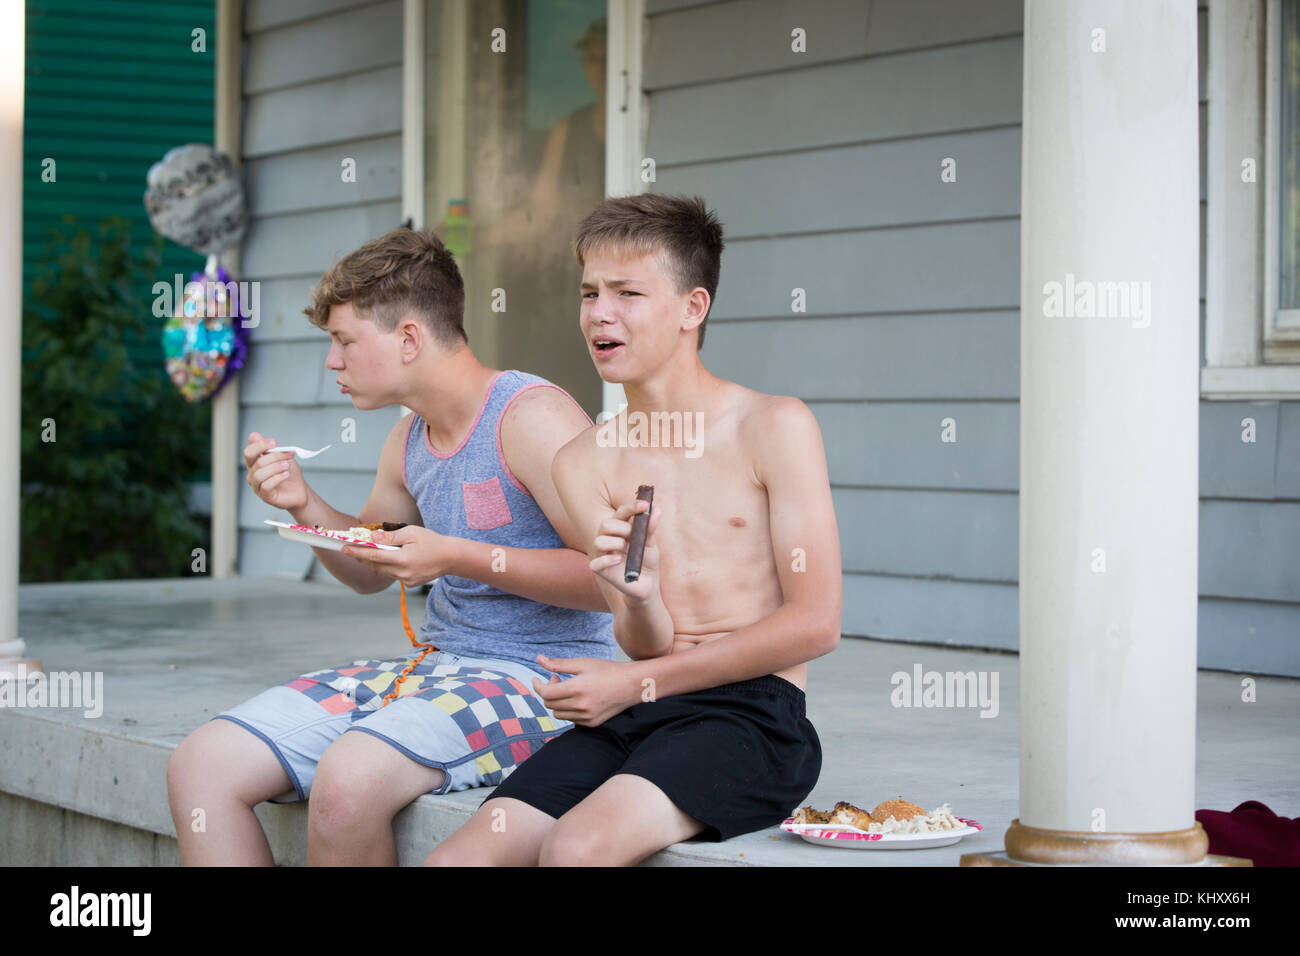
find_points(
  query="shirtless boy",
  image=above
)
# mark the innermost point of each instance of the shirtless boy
(469, 473)
(703, 732)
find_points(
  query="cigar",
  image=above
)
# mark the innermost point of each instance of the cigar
(640, 525)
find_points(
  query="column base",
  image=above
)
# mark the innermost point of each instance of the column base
(1035, 846)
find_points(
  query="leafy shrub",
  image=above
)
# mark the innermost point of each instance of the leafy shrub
(107, 498)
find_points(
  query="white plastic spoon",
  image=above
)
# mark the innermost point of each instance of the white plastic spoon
(300, 452)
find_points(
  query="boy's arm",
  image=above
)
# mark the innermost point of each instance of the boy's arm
(533, 428)
(791, 463)
(642, 625)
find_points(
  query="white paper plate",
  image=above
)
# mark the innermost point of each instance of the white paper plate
(860, 840)
(303, 535)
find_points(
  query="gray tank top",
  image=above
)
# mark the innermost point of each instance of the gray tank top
(471, 493)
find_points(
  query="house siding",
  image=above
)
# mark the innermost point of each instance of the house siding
(912, 305)
(321, 84)
(911, 284)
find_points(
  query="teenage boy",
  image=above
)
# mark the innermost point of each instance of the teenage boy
(703, 732)
(469, 473)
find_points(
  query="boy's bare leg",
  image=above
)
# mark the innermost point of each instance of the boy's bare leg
(502, 832)
(361, 783)
(623, 821)
(223, 771)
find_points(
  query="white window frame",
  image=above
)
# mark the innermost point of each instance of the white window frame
(1251, 351)
(1281, 325)
(625, 122)
(625, 116)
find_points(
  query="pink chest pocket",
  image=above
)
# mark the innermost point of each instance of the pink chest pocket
(485, 505)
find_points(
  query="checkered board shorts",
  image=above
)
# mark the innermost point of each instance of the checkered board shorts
(475, 719)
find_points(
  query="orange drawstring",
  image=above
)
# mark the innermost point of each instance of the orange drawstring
(406, 623)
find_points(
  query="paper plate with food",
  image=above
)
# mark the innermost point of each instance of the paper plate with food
(319, 537)
(894, 825)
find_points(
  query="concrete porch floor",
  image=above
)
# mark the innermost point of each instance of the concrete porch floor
(92, 791)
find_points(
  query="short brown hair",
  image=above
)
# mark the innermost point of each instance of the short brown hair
(680, 228)
(404, 271)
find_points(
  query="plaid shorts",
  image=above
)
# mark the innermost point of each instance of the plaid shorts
(476, 719)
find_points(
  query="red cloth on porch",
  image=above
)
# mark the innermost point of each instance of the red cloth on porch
(1255, 832)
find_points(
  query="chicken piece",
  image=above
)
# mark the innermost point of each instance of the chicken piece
(899, 809)
(809, 815)
(853, 816)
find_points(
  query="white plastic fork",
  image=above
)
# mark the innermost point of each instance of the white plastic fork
(300, 452)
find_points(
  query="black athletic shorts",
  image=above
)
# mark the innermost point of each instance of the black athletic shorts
(737, 758)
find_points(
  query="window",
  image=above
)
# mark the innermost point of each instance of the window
(1288, 160)
(1252, 321)
(515, 150)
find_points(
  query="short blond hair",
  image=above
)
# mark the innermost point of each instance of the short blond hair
(405, 271)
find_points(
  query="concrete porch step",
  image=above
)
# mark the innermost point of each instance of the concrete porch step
(78, 790)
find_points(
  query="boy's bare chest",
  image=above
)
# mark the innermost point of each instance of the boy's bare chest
(713, 511)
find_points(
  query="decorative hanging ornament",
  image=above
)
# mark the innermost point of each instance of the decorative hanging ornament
(205, 342)
(195, 199)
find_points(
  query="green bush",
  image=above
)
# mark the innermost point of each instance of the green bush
(107, 498)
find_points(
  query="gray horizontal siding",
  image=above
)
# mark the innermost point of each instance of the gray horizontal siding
(285, 373)
(1252, 637)
(911, 94)
(897, 608)
(967, 535)
(262, 15)
(974, 536)
(292, 55)
(313, 178)
(912, 315)
(897, 444)
(280, 315)
(303, 243)
(858, 187)
(356, 106)
(959, 356)
(916, 268)
(322, 84)
(900, 444)
(683, 48)
(1250, 549)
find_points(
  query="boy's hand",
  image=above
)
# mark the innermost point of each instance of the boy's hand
(424, 554)
(600, 690)
(612, 541)
(275, 477)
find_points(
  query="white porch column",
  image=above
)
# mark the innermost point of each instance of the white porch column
(227, 461)
(11, 309)
(1109, 395)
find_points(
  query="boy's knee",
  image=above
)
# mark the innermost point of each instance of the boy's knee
(574, 846)
(342, 796)
(451, 854)
(183, 765)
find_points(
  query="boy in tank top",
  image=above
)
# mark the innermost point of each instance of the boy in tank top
(469, 473)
